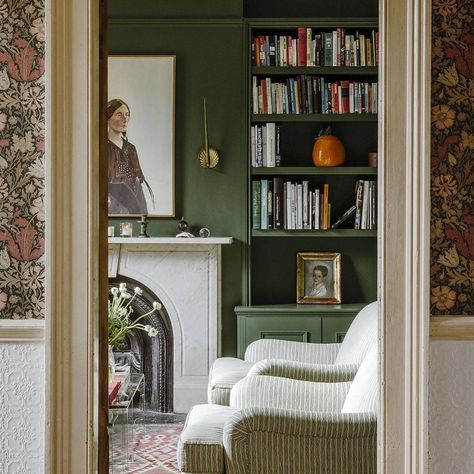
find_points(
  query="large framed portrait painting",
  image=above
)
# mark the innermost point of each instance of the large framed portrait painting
(318, 278)
(141, 135)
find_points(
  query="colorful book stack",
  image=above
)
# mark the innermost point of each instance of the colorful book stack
(289, 205)
(329, 48)
(366, 199)
(265, 145)
(312, 95)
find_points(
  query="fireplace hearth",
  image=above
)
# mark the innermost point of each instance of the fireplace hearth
(152, 356)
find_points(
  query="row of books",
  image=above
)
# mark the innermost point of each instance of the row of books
(289, 205)
(265, 145)
(365, 205)
(312, 95)
(333, 48)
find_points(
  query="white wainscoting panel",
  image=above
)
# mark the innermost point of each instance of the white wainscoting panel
(451, 407)
(22, 407)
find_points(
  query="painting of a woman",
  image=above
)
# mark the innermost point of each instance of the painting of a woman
(127, 184)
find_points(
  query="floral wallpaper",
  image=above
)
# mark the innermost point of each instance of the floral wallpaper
(22, 122)
(452, 160)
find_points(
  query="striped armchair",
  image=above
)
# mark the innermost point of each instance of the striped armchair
(285, 426)
(297, 360)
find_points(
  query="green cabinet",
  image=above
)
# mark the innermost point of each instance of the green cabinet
(303, 323)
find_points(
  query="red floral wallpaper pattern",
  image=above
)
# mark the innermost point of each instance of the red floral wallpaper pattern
(22, 123)
(452, 160)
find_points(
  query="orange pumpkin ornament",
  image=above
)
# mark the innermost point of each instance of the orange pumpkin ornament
(328, 150)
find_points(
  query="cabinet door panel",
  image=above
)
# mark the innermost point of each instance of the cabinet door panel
(290, 328)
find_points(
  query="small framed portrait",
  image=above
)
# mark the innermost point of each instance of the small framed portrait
(140, 129)
(318, 278)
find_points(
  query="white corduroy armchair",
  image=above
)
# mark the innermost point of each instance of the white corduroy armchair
(286, 426)
(298, 360)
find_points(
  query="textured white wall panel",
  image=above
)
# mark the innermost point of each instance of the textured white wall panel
(22, 408)
(451, 408)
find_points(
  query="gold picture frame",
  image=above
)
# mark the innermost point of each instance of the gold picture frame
(318, 279)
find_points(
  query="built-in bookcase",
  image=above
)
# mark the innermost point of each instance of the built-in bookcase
(272, 251)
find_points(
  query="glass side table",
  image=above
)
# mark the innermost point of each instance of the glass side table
(122, 427)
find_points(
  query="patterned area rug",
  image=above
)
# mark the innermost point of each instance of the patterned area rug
(151, 449)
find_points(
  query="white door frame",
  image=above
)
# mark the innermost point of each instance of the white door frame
(73, 234)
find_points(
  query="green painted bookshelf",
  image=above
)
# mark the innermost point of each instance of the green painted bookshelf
(270, 310)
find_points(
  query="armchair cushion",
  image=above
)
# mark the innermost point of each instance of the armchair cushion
(363, 394)
(291, 350)
(274, 392)
(304, 371)
(200, 448)
(360, 337)
(225, 372)
(287, 441)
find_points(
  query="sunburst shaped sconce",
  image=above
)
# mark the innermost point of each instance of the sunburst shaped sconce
(208, 156)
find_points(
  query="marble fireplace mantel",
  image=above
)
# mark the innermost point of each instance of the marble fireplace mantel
(185, 274)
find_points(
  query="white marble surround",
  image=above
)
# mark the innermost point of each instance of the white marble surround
(185, 274)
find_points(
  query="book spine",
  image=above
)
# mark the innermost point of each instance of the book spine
(256, 204)
(317, 206)
(335, 52)
(305, 205)
(344, 97)
(270, 204)
(277, 203)
(365, 200)
(293, 206)
(299, 206)
(327, 49)
(264, 146)
(309, 47)
(271, 145)
(253, 146)
(268, 88)
(261, 48)
(344, 217)
(301, 46)
(277, 146)
(264, 205)
(326, 206)
(358, 204)
(271, 50)
(259, 146)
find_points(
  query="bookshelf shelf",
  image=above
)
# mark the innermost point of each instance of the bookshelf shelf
(330, 233)
(315, 70)
(262, 118)
(314, 171)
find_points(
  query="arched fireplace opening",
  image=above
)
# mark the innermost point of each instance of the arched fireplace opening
(153, 356)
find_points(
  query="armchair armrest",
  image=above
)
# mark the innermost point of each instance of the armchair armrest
(305, 371)
(283, 441)
(291, 350)
(274, 392)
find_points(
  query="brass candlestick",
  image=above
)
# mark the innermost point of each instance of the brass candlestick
(208, 156)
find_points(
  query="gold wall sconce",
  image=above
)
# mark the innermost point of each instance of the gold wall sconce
(208, 156)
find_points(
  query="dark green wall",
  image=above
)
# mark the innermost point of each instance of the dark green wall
(175, 9)
(208, 63)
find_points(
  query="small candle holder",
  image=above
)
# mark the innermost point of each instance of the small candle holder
(110, 231)
(143, 225)
(126, 229)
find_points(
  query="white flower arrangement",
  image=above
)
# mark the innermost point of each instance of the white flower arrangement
(120, 310)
